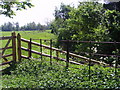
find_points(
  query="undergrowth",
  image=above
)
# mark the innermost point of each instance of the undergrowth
(40, 74)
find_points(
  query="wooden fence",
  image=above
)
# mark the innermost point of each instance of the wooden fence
(17, 54)
(29, 49)
(13, 47)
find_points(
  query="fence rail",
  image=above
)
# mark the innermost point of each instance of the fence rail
(18, 55)
(6, 48)
(95, 42)
(89, 42)
(13, 47)
(9, 62)
(7, 37)
(51, 48)
(30, 42)
(61, 51)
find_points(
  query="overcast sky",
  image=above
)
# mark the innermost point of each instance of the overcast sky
(41, 13)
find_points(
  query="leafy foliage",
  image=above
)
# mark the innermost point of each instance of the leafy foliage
(39, 74)
(8, 8)
(112, 6)
(90, 21)
(60, 16)
(112, 19)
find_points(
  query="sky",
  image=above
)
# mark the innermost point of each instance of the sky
(42, 12)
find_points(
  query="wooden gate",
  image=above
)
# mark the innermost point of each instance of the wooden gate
(12, 39)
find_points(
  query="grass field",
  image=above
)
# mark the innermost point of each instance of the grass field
(33, 34)
(37, 73)
(27, 35)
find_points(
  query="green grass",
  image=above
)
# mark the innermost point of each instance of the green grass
(33, 34)
(27, 35)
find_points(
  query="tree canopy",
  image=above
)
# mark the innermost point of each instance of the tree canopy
(9, 7)
(90, 21)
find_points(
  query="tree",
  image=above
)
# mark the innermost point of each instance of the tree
(38, 26)
(8, 8)
(113, 6)
(17, 26)
(84, 23)
(8, 27)
(61, 15)
(112, 20)
(90, 21)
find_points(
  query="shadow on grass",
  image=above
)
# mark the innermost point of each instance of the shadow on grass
(9, 69)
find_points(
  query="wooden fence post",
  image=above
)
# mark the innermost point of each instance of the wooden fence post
(14, 46)
(67, 55)
(116, 61)
(51, 52)
(90, 54)
(19, 46)
(41, 48)
(29, 48)
(57, 54)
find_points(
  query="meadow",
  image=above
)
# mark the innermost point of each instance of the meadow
(37, 73)
(27, 35)
(33, 34)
